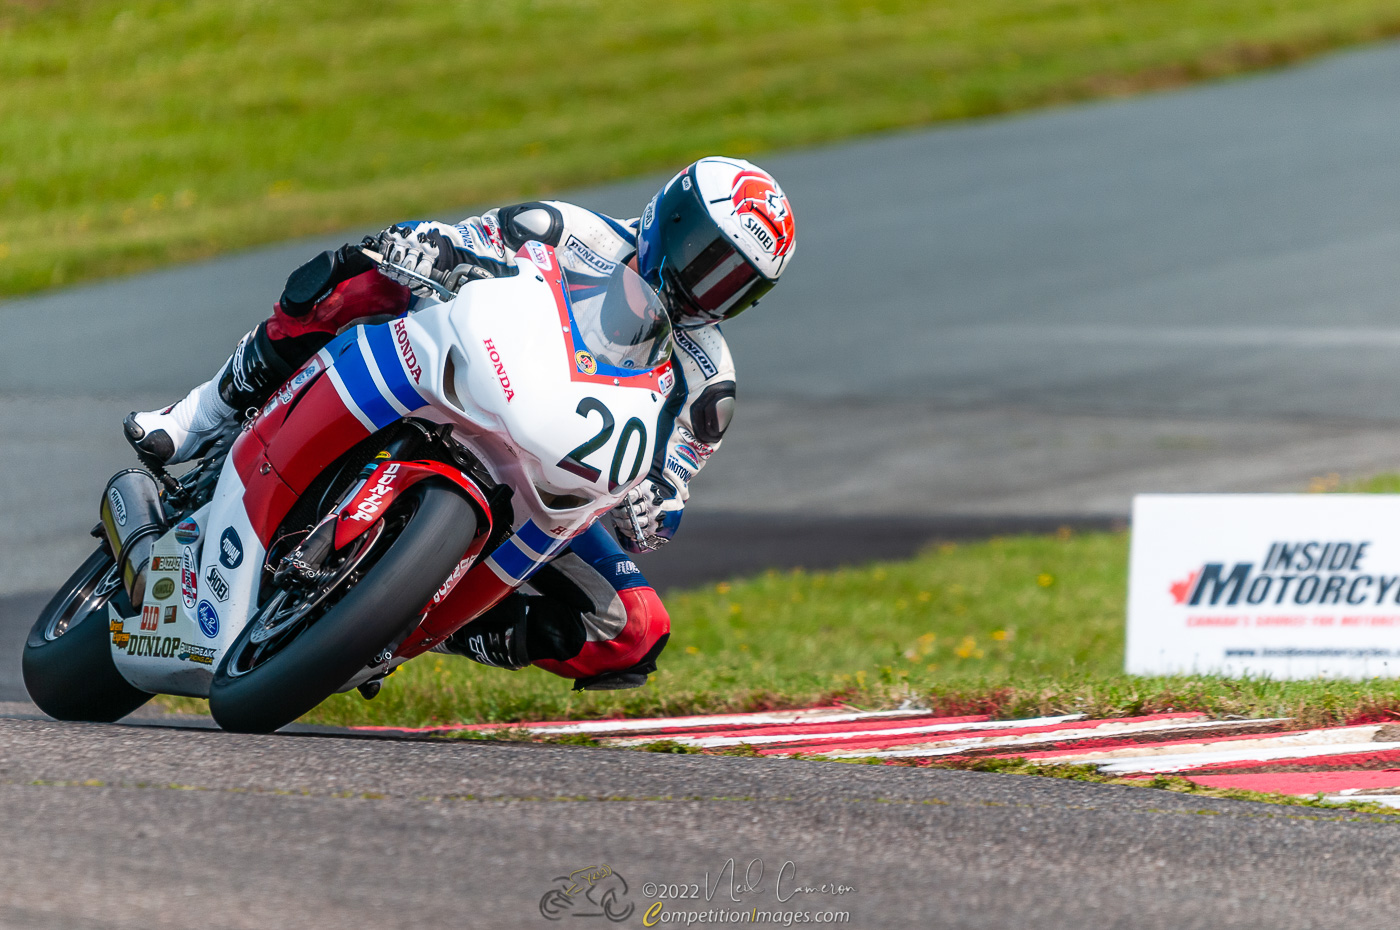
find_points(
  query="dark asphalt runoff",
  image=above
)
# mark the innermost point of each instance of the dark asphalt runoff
(1022, 319)
(151, 827)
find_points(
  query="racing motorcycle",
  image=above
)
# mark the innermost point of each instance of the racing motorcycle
(404, 480)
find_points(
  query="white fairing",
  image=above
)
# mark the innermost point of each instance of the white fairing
(496, 364)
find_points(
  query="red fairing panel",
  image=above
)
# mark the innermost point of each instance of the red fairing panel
(266, 497)
(390, 480)
(317, 432)
(479, 591)
(280, 453)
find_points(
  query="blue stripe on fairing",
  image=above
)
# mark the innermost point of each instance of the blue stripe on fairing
(386, 356)
(513, 560)
(354, 372)
(338, 344)
(536, 538)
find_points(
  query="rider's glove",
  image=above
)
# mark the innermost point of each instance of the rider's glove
(434, 251)
(647, 517)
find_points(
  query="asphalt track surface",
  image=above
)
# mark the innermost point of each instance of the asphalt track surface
(1019, 318)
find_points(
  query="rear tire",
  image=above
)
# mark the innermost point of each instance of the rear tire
(337, 645)
(68, 667)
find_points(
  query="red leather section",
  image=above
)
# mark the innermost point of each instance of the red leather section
(368, 294)
(647, 621)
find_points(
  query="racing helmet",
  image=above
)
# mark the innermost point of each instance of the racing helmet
(715, 239)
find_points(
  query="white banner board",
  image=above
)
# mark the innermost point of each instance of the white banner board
(1268, 585)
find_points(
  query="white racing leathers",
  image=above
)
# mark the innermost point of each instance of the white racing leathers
(700, 404)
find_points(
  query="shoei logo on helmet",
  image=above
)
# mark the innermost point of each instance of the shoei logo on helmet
(763, 211)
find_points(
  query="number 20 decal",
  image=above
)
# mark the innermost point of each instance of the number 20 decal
(574, 461)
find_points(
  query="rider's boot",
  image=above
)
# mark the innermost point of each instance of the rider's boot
(516, 632)
(185, 430)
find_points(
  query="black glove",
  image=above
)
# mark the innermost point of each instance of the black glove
(313, 281)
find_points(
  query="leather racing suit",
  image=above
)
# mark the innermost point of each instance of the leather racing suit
(589, 614)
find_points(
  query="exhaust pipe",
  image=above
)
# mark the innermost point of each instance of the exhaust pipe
(132, 518)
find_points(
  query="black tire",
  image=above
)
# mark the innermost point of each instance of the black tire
(68, 668)
(376, 611)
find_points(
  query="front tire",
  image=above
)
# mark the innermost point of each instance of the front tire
(253, 692)
(68, 668)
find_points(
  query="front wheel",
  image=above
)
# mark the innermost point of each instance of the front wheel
(297, 651)
(68, 668)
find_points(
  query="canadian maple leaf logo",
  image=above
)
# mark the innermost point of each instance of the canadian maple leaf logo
(1182, 589)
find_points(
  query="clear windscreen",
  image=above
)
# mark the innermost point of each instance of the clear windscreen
(618, 315)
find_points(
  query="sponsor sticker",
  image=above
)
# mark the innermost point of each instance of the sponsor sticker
(119, 635)
(763, 212)
(217, 585)
(410, 358)
(162, 589)
(208, 619)
(666, 381)
(539, 255)
(118, 505)
(186, 532)
(189, 581)
(585, 362)
(1281, 586)
(367, 510)
(495, 355)
(592, 259)
(190, 652)
(692, 348)
(688, 456)
(170, 614)
(150, 617)
(452, 579)
(165, 563)
(159, 647)
(230, 549)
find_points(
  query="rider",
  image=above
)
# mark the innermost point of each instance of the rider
(712, 242)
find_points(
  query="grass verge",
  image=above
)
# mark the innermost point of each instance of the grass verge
(139, 132)
(1013, 627)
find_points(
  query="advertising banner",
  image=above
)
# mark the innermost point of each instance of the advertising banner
(1267, 585)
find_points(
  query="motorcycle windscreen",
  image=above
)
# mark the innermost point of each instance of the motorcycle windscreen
(618, 315)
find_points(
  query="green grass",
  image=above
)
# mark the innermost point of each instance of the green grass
(138, 132)
(1011, 627)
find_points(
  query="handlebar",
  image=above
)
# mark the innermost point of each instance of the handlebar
(392, 270)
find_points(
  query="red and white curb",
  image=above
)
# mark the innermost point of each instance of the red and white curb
(1344, 763)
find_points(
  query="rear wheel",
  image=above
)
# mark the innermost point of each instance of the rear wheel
(68, 668)
(305, 642)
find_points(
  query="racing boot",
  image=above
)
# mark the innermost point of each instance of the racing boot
(186, 430)
(516, 632)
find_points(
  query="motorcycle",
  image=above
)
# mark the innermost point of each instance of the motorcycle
(402, 482)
